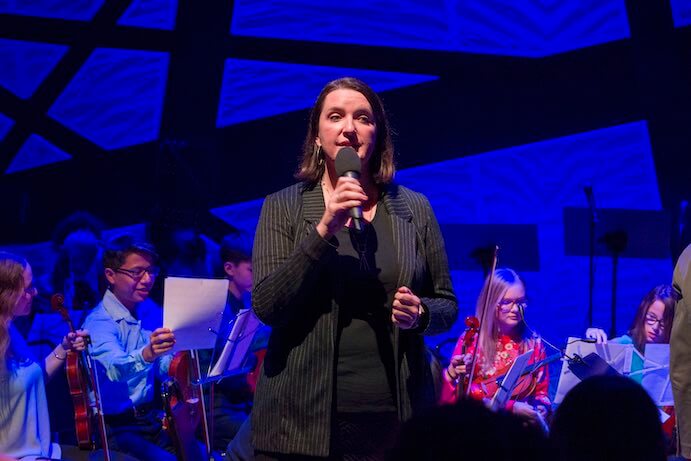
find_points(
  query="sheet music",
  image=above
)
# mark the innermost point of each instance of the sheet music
(618, 356)
(234, 352)
(654, 377)
(192, 309)
(508, 384)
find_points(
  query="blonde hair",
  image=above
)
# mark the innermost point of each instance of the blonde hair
(502, 280)
(11, 288)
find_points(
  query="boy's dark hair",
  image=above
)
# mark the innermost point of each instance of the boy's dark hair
(235, 248)
(118, 248)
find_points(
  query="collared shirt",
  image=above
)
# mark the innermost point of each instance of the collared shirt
(118, 339)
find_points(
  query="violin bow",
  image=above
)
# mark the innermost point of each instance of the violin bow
(483, 316)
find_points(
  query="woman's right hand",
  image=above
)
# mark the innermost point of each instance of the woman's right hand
(457, 367)
(347, 194)
(597, 334)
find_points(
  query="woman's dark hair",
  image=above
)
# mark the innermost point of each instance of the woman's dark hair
(669, 297)
(382, 166)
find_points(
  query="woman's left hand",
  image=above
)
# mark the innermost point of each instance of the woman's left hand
(406, 310)
(74, 341)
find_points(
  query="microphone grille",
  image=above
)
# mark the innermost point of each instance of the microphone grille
(347, 160)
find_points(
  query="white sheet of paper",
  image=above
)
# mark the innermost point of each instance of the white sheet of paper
(192, 309)
(239, 341)
(655, 373)
(618, 356)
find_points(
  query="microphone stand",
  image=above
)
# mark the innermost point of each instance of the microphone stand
(588, 189)
(616, 243)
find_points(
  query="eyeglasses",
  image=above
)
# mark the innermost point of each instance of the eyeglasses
(138, 272)
(506, 304)
(31, 290)
(651, 320)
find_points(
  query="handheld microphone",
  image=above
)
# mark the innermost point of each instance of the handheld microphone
(348, 164)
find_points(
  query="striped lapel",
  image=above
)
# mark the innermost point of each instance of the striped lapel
(313, 204)
(404, 238)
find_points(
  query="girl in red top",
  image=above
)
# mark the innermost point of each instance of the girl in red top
(503, 336)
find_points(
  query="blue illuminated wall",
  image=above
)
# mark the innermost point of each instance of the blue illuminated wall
(531, 28)
(83, 10)
(116, 99)
(257, 89)
(5, 125)
(681, 11)
(35, 152)
(26, 64)
(154, 14)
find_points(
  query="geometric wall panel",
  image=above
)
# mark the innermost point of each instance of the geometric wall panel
(530, 28)
(82, 10)
(152, 14)
(36, 152)
(6, 124)
(256, 89)
(25, 64)
(116, 98)
(681, 11)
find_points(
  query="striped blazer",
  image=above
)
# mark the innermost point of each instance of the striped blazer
(680, 351)
(293, 294)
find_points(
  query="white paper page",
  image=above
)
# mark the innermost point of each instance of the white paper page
(655, 373)
(192, 309)
(239, 341)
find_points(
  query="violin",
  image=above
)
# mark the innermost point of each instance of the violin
(526, 383)
(183, 400)
(253, 375)
(472, 329)
(82, 381)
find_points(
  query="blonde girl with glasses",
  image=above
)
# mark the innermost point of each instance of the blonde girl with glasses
(503, 335)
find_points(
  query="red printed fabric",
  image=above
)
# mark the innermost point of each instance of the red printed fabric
(484, 387)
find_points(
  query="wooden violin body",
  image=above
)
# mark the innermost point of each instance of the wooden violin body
(79, 392)
(183, 402)
(83, 382)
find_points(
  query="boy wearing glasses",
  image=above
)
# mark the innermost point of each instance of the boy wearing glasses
(131, 349)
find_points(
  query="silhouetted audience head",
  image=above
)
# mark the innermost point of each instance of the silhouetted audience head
(607, 418)
(468, 430)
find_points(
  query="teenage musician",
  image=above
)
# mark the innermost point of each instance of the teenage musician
(130, 355)
(503, 336)
(24, 425)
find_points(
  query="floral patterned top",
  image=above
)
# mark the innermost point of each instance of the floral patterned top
(483, 386)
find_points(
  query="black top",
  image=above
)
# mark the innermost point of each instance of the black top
(366, 282)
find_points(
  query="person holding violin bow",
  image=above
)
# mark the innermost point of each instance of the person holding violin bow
(24, 424)
(502, 336)
(128, 354)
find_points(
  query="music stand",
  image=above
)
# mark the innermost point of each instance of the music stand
(585, 359)
(508, 384)
(233, 357)
(471, 246)
(654, 374)
(620, 233)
